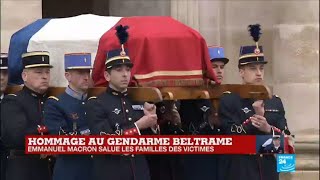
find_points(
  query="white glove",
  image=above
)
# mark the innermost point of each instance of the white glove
(269, 141)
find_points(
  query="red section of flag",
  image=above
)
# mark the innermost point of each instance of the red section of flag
(157, 46)
(140, 144)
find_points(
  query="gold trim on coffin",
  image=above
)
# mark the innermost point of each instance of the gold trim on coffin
(173, 83)
(169, 73)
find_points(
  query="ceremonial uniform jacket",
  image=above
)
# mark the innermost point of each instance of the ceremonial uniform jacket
(65, 115)
(21, 113)
(163, 166)
(2, 151)
(195, 116)
(271, 149)
(234, 113)
(114, 113)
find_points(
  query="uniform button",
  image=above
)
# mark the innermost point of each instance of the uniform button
(85, 113)
(218, 130)
(130, 119)
(83, 103)
(127, 110)
(124, 102)
(41, 102)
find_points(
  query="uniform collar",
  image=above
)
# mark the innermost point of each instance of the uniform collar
(116, 93)
(75, 94)
(33, 93)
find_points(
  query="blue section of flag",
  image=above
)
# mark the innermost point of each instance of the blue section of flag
(286, 163)
(18, 45)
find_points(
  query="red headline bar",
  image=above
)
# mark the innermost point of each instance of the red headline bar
(140, 144)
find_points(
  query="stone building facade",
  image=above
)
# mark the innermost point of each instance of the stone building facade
(290, 39)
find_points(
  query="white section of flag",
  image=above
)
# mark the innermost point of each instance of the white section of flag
(70, 35)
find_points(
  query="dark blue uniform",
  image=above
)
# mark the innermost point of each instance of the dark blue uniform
(195, 116)
(272, 149)
(65, 115)
(3, 67)
(114, 113)
(167, 167)
(21, 113)
(233, 112)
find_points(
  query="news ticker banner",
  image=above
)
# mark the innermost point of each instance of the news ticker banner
(155, 144)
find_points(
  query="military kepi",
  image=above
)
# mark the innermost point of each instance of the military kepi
(77, 61)
(36, 59)
(217, 54)
(119, 56)
(252, 54)
(276, 137)
(4, 61)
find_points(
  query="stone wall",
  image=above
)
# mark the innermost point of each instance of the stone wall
(290, 40)
(291, 45)
(15, 14)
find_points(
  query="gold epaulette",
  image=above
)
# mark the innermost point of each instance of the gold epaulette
(53, 97)
(227, 92)
(92, 97)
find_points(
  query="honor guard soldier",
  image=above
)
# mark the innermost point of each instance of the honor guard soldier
(3, 74)
(272, 145)
(3, 86)
(162, 166)
(199, 117)
(22, 114)
(114, 113)
(251, 116)
(218, 61)
(65, 115)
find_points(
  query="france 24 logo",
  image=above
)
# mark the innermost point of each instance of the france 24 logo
(286, 163)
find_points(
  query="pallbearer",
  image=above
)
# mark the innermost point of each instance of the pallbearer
(114, 113)
(65, 115)
(22, 114)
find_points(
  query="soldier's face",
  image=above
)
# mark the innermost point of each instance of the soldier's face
(118, 77)
(276, 142)
(252, 74)
(37, 79)
(4, 79)
(78, 79)
(218, 68)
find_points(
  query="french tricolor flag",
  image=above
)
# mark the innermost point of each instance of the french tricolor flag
(161, 48)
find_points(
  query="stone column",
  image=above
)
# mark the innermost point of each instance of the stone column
(139, 8)
(296, 79)
(296, 74)
(187, 12)
(15, 14)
